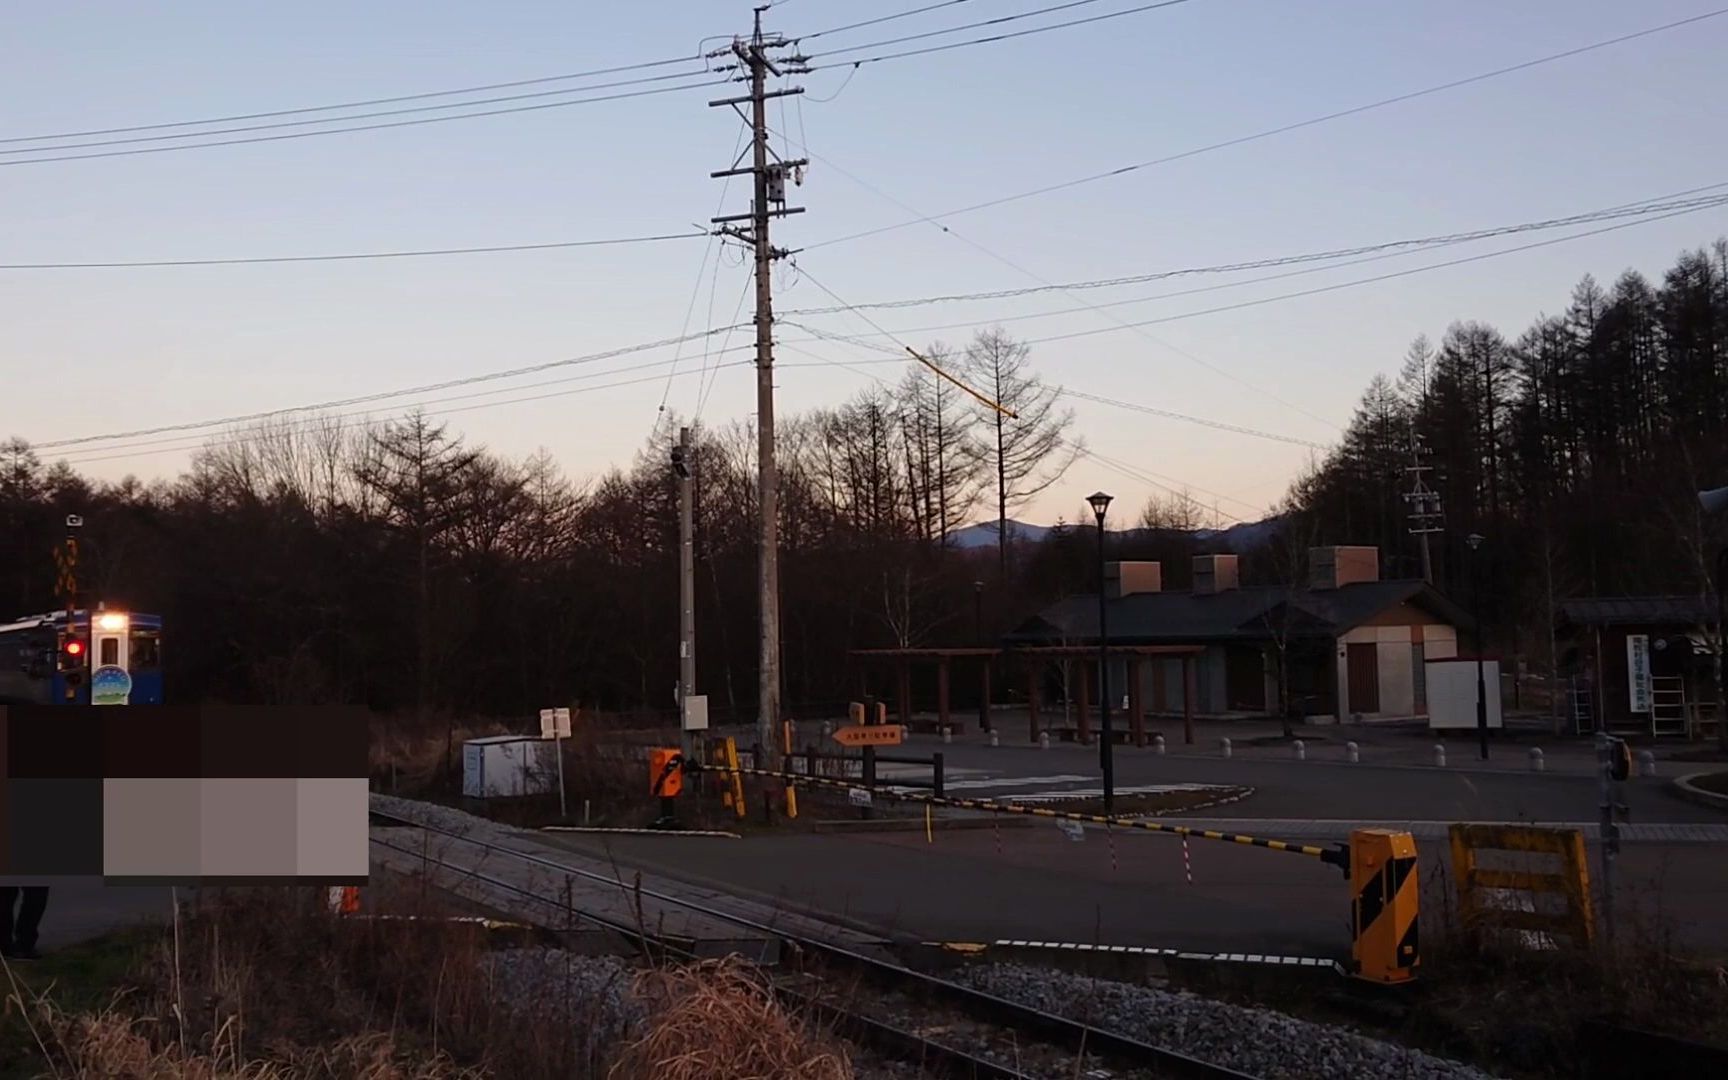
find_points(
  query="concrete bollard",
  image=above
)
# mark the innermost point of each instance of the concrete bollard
(827, 730)
(1301, 749)
(1440, 754)
(1157, 744)
(1646, 763)
(1043, 740)
(1224, 747)
(995, 739)
(1351, 753)
(1537, 764)
(947, 735)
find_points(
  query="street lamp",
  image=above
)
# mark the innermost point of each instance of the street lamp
(1100, 503)
(1475, 541)
(978, 613)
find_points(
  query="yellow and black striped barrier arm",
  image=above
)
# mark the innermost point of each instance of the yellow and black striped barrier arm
(1337, 856)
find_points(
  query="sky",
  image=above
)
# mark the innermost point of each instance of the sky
(91, 352)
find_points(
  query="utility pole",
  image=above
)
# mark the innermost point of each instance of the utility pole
(755, 63)
(1424, 502)
(686, 585)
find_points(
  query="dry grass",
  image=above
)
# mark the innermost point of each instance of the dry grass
(720, 1018)
(261, 984)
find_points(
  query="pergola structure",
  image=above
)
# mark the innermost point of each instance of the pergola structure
(1031, 660)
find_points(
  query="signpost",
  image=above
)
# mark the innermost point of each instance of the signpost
(1638, 671)
(555, 725)
(870, 735)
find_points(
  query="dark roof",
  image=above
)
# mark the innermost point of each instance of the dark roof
(1244, 614)
(1639, 610)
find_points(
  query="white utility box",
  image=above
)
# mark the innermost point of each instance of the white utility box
(1452, 694)
(502, 766)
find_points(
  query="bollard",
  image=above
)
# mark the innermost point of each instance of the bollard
(1301, 749)
(947, 735)
(1351, 753)
(1157, 744)
(995, 740)
(1646, 763)
(827, 730)
(1536, 762)
(1043, 740)
(1440, 754)
(1224, 747)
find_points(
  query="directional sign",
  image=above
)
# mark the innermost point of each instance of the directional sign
(870, 735)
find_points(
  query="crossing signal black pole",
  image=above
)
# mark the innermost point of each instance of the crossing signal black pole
(1100, 503)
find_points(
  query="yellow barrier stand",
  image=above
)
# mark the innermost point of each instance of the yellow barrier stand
(1561, 847)
(1384, 910)
(737, 776)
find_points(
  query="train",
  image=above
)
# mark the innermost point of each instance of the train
(100, 657)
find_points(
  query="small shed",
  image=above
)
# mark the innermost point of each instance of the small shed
(1639, 664)
(507, 766)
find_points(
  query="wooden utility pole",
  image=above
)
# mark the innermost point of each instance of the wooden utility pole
(686, 583)
(755, 64)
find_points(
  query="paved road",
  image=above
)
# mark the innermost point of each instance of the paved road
(1033, 882)
(1320, 789)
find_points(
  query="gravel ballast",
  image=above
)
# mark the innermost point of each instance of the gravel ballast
(1260, 1042)
(562, 987)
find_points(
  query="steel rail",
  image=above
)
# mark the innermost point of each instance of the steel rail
(1070, 1035)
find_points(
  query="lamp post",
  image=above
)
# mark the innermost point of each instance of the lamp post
(1475, 541)
(1100, 503)
(978, 613)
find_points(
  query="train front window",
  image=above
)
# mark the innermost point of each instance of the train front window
(146, 651)
(110, 651)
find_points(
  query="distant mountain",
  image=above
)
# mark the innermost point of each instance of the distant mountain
(983, 534)
(1244, 536)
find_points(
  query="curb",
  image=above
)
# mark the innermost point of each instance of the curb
(1684, 787)
(841, 825)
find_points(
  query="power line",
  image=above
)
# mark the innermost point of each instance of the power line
(387, 394)
(1657, 204)
(1280, 130)
(947, 231)
(1369, 280)
(361, 104)
(356, 116)
(1218, 425)
(361, 127)
(880, 19)
(997, 21)
(993, 38)
(353, 255)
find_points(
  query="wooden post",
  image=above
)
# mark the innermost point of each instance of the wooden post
(1160, 692)
(1136, 707)
(1188, 700)
(942, 694)
(1083, 689)
(904, 690)
(1033, 673)
(984, 696)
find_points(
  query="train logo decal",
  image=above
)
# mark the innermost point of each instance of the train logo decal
(110, 685)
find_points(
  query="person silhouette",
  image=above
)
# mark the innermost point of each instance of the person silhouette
(18, 935)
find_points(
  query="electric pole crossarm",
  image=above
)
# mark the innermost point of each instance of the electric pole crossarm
(782, 212)
(766, 96)
(740, 172)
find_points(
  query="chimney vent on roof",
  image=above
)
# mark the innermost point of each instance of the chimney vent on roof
(1215, 574)
(1128, 578)
(1335, 567)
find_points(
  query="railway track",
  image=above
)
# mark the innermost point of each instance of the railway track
(938, 1026)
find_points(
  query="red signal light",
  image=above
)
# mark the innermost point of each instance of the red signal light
(74, 648)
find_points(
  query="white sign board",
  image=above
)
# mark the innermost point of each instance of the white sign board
(1451, 686)
(858, 796)
(1073, 830)
(554, 723)
(1638, 671)
(696, 712)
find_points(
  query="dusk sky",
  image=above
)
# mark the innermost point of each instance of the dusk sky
(97, 351)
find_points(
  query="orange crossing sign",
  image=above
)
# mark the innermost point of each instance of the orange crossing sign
(870, 735)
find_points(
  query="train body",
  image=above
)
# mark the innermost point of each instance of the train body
(100, 657)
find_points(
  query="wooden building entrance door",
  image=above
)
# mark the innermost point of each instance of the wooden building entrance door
(1363, 662)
